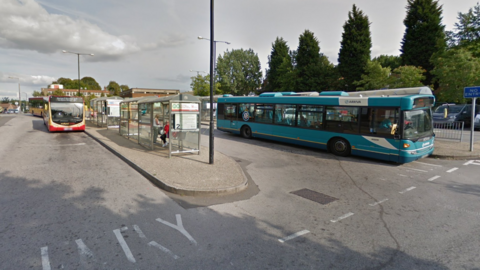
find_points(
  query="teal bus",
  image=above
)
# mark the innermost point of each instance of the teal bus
(392, 125)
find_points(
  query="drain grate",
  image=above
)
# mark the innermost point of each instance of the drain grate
(314, 196)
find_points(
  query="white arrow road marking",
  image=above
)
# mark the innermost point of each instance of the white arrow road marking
(290, 237)
(124, 245)
(178, 227)
(473, 162)
(45, 260)
(162, 248)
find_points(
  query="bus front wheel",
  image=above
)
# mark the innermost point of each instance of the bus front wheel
(246, 132)
(340, 147)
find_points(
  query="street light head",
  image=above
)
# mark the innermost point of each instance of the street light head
(92, 54)
(64, 51)
(200, 37)
(227, 43)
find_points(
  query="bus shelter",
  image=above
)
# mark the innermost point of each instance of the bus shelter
(107, 111)
(183, 114)
(129, 117)
(92, 114)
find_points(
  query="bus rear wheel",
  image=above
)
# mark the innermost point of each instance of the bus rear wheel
(340, 147)
(246, 132)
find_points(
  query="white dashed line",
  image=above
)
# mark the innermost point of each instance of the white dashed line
(408, 189)
(140, 233)
(403, 175)
(45, 260)
(452, 170)
(124, 245)
(342, 217)
(433, 178)
(290, 237)
(379, 202)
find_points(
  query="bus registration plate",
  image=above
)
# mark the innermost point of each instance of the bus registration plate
(66, 129)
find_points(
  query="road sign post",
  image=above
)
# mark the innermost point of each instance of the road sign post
(472, 92)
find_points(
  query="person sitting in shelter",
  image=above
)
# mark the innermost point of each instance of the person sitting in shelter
(165, 134)
(156, 127)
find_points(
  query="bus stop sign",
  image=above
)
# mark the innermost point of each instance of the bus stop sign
(471, 92)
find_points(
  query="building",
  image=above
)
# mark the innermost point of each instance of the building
(73, 92)
(6, 107)
(145, 92)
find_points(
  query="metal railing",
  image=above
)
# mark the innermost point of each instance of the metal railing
(449, 130)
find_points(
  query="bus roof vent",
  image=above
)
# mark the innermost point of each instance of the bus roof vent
(288, 93)
(227, 95)
(271, 94)
(334, 93)
(303, 94)
(425, 90)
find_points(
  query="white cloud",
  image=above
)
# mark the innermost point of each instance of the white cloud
(27, 25)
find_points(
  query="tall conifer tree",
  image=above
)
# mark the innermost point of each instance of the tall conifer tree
(424, 35)
(355, 48)
(279, 56)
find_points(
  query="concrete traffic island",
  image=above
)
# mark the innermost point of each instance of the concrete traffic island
(183, 174)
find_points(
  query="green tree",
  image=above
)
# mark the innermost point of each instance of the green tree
(201, 85)
(424, 35)
(37, 94)
(407, 76)
(278, 57)
(90, 83)
(454, 70)
(58, 92)
(124, 87)
(114, 88)
(355, 48)
(391, 61)
(375, 77)
(312, 70)
(239, 72)
(466, 33)
(5, 100)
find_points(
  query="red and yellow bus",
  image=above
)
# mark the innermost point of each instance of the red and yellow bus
(37, 105)
(64, 114)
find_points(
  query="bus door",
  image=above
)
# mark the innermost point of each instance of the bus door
(231, 115)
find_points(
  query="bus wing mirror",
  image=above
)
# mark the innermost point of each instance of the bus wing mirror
(394, 129)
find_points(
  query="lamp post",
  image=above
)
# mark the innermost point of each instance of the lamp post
(78, 57)
(19, 96)
(213, 57)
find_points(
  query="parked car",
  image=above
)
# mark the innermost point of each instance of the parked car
(11, 111)
(15, 111)
(477, 121)
(454, 113)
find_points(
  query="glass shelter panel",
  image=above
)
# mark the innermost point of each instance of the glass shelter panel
(123, 118)
(145, 127)
(133, 121)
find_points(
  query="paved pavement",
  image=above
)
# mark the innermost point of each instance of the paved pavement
(191, 174)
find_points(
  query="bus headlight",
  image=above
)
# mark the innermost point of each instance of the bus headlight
(406, 145)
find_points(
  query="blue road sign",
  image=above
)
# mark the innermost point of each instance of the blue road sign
(471, 92)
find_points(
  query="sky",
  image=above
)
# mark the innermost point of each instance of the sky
(154, 43)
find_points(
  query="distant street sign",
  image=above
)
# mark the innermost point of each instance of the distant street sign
(471, 92)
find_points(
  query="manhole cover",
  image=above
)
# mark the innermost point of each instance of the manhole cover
(314, 196)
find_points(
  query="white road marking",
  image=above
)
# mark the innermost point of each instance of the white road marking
(123, 229)
(433, 178)
(72, 144)
(162, 248)
(379, 202)
(472, 162)
(342, 217)
(452, 170)
(434, 165)
(124, 245)
(178, 227)
(45, 260)
(290, 237)
(408, 189)
(140, 233)
(84, 252)
(416, 170)
(403, 175)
